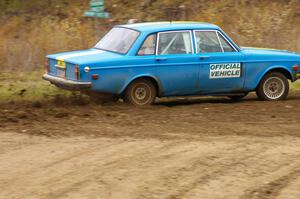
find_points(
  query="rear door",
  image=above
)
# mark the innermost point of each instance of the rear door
(221, 64)
(177, 64)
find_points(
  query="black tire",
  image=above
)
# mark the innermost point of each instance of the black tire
(141, 92)
(238, 97)
(274, 86)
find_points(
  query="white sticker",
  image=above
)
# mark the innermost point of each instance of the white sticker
(228, 70)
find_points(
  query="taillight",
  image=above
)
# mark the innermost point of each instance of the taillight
(77, 72)
(47, 66)
(295, 68)
(95, 76)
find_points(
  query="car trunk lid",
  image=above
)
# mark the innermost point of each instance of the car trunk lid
(63, 69)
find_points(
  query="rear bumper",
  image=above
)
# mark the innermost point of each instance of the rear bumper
(67, 84)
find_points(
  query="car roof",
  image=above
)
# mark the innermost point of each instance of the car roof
(169, 26)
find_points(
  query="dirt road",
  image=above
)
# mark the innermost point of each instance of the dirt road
(196, 148)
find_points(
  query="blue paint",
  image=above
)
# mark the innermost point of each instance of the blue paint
(176, 75)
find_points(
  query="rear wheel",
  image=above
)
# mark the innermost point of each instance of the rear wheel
(274, 86)
(140, 93)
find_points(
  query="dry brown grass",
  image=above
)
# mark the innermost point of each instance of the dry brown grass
(29, 33)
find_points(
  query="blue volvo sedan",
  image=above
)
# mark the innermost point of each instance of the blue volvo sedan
(143, 61)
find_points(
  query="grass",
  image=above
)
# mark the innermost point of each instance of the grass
(27, 87)
(295, 85)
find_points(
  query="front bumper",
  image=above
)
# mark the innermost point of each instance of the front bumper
(67, 84)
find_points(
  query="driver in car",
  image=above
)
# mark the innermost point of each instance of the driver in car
(148, 46)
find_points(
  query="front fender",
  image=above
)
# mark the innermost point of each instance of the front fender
(278, 68)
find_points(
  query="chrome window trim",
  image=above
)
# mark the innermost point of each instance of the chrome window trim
(216, 31)
(176, 31)
(230, 43)
(220, 41)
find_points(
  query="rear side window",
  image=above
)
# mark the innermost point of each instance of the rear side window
(118, 40)
(175, 43)
(226, 46)
(208, 42)
(149, 45)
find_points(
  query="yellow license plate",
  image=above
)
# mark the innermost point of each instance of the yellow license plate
(61, 64)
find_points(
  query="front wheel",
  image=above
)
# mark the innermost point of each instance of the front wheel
(140, 93)
(273, 87)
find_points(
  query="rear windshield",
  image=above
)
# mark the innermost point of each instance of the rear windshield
(118, 40)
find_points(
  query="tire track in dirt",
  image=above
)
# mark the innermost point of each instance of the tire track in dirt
(34, 150)
(189, 173)
(193, 173)
(109, 165)
(274, 188)
(20, 142)
(147, 168)
(114, 158)
(204, 149)
(134, 161)
(39, 167)
(149, 171)
(291, 191)
(157, 173)
(238, 178)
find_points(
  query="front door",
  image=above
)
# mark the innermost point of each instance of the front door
(221, 64)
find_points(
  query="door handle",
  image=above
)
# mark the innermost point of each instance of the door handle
(204, 57)
(161, 59)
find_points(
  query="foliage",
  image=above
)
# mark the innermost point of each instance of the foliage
(33, 28)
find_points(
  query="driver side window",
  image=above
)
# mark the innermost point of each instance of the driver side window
(207, 42)
(212, 42)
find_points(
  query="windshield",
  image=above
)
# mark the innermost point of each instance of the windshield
(118, 40)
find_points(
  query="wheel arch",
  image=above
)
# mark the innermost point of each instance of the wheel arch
(281, 69)
(152, 78)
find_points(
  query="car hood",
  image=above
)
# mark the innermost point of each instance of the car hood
(265, 54)
(84, 56)
(267, 51)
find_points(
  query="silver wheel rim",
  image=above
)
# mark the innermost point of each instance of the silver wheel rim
(274, 88)
(141, 94)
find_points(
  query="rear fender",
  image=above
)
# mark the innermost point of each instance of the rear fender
(129, 81)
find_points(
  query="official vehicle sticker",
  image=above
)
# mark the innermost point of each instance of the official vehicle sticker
(228, 70)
